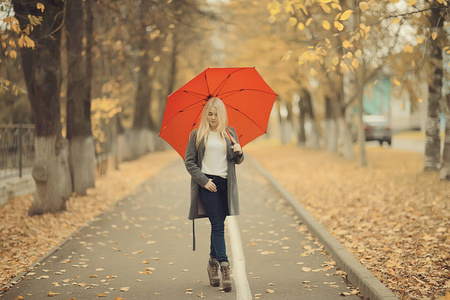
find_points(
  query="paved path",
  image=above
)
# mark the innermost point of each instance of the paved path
(142, 249)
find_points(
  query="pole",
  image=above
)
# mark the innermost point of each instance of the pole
(20, 150)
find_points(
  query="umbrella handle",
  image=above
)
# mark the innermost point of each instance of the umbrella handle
(233, 141)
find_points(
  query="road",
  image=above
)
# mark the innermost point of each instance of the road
(142, 249)
(403, 142)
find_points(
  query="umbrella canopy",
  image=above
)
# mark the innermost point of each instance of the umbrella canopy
(247, 98)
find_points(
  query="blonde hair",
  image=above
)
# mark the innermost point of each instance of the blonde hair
(204, 130)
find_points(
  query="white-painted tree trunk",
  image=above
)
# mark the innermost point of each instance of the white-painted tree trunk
(432, 143)
(51, 174)
(82, 163)
(151, 140)
(345, 140)
(445, 169)
(313, 136)
(139, 142)
(124, 149)
(331, 136)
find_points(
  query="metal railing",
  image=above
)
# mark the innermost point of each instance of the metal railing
(16, 149)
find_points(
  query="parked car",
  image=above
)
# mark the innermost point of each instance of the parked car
(377, 128)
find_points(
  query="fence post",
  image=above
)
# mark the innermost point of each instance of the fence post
(20, 149)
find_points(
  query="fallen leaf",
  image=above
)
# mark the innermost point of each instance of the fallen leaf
(306, 269)
(51, 294)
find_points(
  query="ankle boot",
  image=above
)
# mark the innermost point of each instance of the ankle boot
(213, 272)
(226, 280)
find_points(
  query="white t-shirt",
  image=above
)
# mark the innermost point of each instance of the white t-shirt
(215, 158)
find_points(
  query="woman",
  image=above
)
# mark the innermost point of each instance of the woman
(211, 154)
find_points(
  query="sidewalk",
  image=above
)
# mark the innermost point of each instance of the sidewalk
(142, 249)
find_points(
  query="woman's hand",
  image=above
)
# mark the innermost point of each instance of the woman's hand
(237, 148)
(210, 186)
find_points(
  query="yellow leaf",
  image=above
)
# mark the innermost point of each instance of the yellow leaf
(29, 42)
(40, 6)
(394, 1)
(20, 41)
(338, 25)
(325, 8)
(346, 44)
(346, 15)
(13, 54)
(292, 21)
(336, 6)
(419, 40)
(349, 55)
(308, 21)
(288, 8)
(408, 49)
(355, 63)
(396, 20)
(304, 9)
(325, 1)
(363, 6)
(326, 25)
(411, 2)
(358, 53)
(395, 80)
(301, 26)
(434, 35)
(313, 72)
(335, 60)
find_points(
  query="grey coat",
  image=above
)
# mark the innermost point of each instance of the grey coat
(193, 162)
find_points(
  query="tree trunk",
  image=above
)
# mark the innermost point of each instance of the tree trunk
(141, 121)
(433, 124)
(301, 119)
(331, 132)
(42, 73)
(345, 140)
(82, 152)
(445, 170)
(313, 140)
(361, 130)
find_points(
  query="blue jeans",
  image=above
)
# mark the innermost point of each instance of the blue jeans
(216, 207)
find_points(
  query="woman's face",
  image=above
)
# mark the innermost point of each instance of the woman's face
(213, 119)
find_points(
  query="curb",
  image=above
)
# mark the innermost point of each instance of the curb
(358, 275)
(15, 187)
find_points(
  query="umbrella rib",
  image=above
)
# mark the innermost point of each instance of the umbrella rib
(192, 106)
(222, 84)
(263, 130)
(196, 94)
(231, 93)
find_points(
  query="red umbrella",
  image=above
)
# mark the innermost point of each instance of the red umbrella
(247, 98)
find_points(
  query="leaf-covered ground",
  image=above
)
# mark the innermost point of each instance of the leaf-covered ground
(24, 239)
(393, 217)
